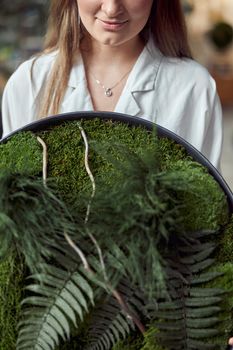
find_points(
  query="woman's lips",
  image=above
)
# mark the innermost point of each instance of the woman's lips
(112, 25)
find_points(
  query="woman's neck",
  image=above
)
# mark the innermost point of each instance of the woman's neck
(101, 56)
(107, 69)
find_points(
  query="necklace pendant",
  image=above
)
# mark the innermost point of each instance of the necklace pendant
(108, 92)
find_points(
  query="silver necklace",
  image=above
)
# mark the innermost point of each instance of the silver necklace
(108, 91)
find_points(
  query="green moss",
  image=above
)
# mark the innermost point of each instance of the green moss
(150, 341)
(206, 202)
(12, 274)
(67, 147)
(171, 153)
(225, 250)
(133, 342)
(22, 154)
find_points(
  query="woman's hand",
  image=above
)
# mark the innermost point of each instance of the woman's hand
(230, 344)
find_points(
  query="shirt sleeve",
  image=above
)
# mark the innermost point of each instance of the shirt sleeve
(212, 145)
(17, 100)
(7, 110)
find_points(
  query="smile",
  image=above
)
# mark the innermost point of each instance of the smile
(112, 25)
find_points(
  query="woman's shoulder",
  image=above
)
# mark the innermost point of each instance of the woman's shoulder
(188, 71)
(183, 71)
(38, 65)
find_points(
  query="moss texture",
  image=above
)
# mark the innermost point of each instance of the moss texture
(22, 154)
(205, 208)
(225, 249)
(12, 273)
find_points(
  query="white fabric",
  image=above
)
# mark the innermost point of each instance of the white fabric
(177, 94)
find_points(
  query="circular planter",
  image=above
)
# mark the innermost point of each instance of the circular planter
(50, 123)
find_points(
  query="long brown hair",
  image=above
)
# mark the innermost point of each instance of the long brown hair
(166, 24)
(168, 28)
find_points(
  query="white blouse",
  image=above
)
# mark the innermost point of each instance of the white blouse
(178, 94)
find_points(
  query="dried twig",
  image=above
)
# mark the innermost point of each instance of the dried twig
(45, 159)
(79, 252)
(88, 171)
(129, 314)
(89, 204)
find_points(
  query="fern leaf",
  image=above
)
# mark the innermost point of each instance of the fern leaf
(202, 322)
(108, 322)
(202, 312)
(48, 314)
(32, 218)
(84, 285)
(51, 329)
(195, 344)
(206, 277)
(209, 301)
(107, 334)
(205, 292)
(53, 326)
(192, 313)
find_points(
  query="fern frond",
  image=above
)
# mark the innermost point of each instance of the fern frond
(52, 308)
(32, 218)
(131, 236)
(139, 214)
(191, 317)
(108, 326)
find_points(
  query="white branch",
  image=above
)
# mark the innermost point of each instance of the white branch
(79, 252)
(45, 159)
(88, 172)
(89, 204)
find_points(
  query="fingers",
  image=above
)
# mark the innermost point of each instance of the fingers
(230, 344)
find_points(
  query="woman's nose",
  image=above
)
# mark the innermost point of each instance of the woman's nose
(112, 8)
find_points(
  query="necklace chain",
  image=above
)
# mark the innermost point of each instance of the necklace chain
(108, 91)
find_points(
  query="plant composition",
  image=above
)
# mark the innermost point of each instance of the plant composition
(111, 238)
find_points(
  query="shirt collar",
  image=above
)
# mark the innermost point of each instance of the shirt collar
(144, 73)
(141, 78)
(77, 74)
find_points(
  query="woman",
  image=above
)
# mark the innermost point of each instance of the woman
(118, 55)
